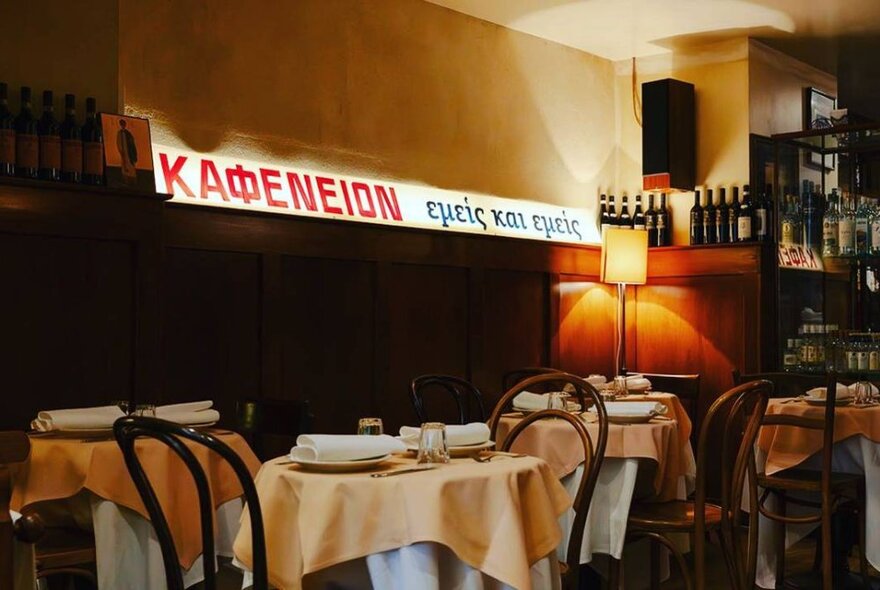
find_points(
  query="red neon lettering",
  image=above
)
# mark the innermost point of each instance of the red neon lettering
(269, 186)
(172, 175)
(346, 197)
(296, 190)
(327, 193)
(246, 189)
(391, 203)
(208, 169)
(365, 207)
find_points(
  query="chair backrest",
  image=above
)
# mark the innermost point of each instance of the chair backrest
(14, 449)
(784, 384)
(571, 384)
(270, 426)
(127, 430)
(685, 387)
(594, 453)
(736, 417)
(468, 398)
(512, 377)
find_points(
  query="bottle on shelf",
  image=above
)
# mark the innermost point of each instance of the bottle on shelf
(745, 218)
(830, 226)
(874, 241)
(863, 216)
(664, 225)
(733, 215)
(696, 220)
(651, 221)
(93, 146)
(71, 143)
(27, 146)
(722, 217)
(612, 212)
(638, 215)
(846, 228)
(603, 213)
(791, 221)
(790, 356)
(50, 140)
(710, 234)
(624, 221)
(810, 232)
(7, 135)
(762, 219)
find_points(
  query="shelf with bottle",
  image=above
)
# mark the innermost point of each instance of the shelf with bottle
(734, 222)
(44, 148)
(820, 348)
(657, 222)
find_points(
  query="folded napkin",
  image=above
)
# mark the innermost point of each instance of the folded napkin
(637, 382)
(852, 389)
(189, 412)
(78, 418)
(457, 435)
(596, 380)
(633, 408)
(344, 447)
(843, 392)
(538, 401)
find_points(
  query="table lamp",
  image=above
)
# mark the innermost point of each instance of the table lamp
(624, 262)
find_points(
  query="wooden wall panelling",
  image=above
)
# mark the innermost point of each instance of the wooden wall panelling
(212, 345)
(586, 328)
(327, 327)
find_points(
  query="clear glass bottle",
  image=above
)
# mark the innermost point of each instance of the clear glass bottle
(830, 227)
(863, 216)
(790, 356)
(846, 236)
(874, 231)
(874, 355)
(862, 353)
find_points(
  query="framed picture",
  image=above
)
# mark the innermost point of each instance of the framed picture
(817, 115)
(128, 153)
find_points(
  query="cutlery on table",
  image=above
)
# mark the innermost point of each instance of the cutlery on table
(426, 467)
(486, 457)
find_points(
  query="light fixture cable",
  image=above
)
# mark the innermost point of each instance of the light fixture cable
(636, 99)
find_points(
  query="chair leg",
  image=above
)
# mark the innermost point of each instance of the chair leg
(655, 564)
(613, 573)
(780, 542)
(827, 556)
(863, 559)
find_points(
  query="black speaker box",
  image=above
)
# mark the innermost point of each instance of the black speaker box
(668, 135)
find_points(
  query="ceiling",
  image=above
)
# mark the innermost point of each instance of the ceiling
(622, 29)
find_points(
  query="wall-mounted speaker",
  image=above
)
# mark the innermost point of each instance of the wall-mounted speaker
(668, 135)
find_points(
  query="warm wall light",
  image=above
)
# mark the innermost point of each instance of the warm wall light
(624, 262)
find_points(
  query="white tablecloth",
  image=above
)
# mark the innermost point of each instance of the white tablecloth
(856, 454)
(128, 553)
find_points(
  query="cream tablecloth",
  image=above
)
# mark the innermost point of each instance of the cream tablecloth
(499, 519)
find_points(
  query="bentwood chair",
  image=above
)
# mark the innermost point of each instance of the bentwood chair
(685, 387)
(571, 384)
(468, 399)
(58, 551)
(835, 489)
(784, 384)
(270, 426)
(512, 377)
(594, 453)
(737, 415)
(127, 430)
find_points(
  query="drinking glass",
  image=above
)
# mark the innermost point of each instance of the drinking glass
(863, 393)
(148, 410)
(620, 385)
(556, 400)
(370, 426)
(432, 443)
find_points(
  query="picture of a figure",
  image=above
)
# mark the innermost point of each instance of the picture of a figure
(127, 152)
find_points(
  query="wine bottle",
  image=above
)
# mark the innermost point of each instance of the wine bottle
(93, 146)
(745, 220)
(27, 143)
(612, 212)
(722, 215)
(830, 227)
(710, 233)
(638, 215)
(7, 135)
(50, 140)
(603, 214)
(762, 215)
(733, 216)
(651, 221)
(863, 226)
(71, 143)
(696, 220)
(664, 227)
(624, 221)
(846, 228)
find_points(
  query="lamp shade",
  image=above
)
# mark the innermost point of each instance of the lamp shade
(624, 256)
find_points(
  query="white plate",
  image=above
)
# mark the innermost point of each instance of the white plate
(630, 419)
(461, 451)
(340, 466)
(820, 401)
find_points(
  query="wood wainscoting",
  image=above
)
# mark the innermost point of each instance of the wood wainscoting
(109, 297)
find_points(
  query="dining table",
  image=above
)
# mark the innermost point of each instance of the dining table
(82, 481)
(466, 524)
(856, 450)
(653, 460)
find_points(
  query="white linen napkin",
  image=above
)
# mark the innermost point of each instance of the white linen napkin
(344, 447)
(77, 418)
(457, 435)
(637, 382)
(843, 392)
(189, 412)
(538, 401)
(596, 380)
(633, 408)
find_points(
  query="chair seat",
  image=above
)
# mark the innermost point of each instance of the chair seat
(806, 480)
(64, 547)
(670, 516)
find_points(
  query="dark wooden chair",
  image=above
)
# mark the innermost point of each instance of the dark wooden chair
(685, 387)
(737, 415)
(58, 551)
(127, 430)
(784, 384)
(594, 453)
(834, 489)
(270, 426)
(572, 384)
(468, 399)
(511, 378)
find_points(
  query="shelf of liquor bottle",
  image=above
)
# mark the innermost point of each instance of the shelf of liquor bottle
(843, 375)
(835, 140)
(47, 185)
